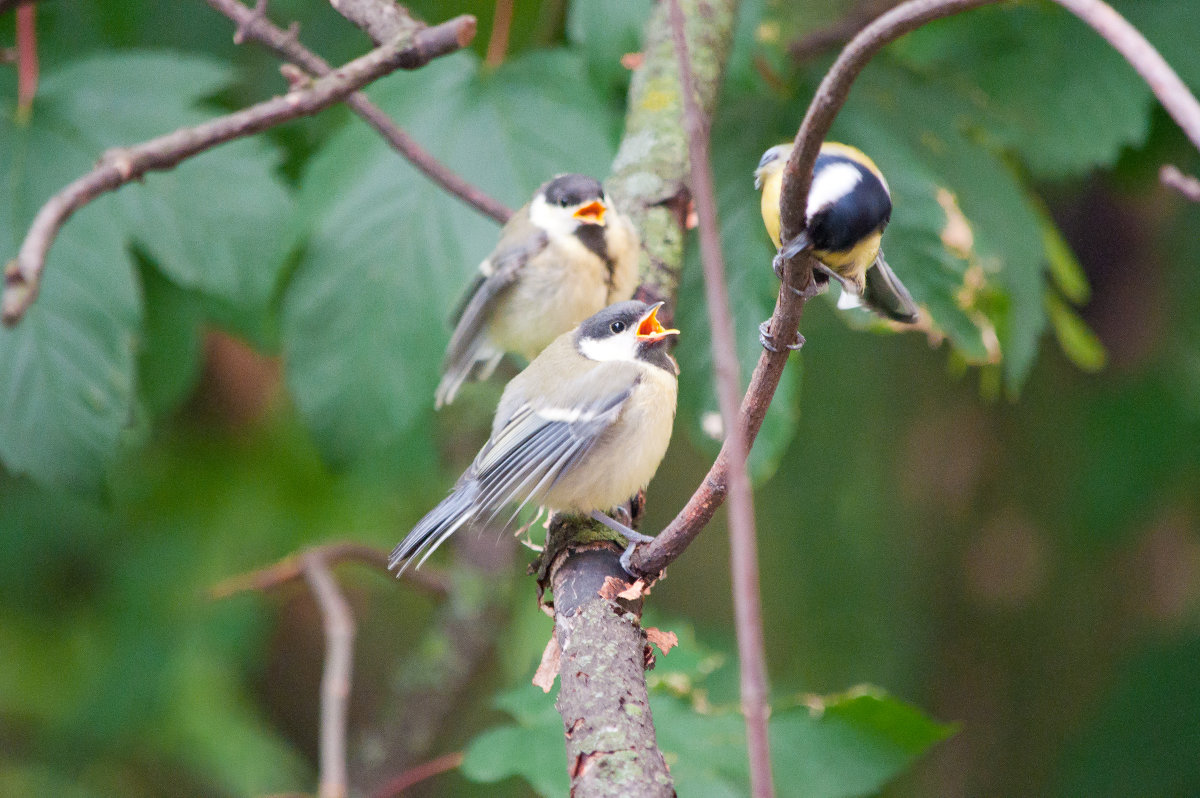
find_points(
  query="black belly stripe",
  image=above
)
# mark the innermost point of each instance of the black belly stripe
(592, 237)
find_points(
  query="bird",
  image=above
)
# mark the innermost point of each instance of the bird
(580, 430)
(849, 205)
(568, 253)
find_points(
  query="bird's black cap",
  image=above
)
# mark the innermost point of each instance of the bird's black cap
(601, 324)
(572, 189)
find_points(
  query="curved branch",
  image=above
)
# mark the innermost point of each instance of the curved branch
(120, 166)
(827, 102)
(285, 44)
(743, 546)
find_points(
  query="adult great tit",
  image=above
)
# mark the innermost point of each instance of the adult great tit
(564, 256)
(849, 205)
(581, 430)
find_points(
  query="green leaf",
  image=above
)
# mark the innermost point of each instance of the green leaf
(365, 317)
(1039, 82)
(68, 369)
(1078, 342)
(531, 749)
(853, 745)
(604, 32)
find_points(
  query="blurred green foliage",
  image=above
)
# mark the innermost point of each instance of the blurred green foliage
(1026, 568)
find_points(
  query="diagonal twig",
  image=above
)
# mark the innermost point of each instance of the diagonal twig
(743, 546)
(830, 97)
(415, 775)
(1185, 184)
(285, 44)
(120, 166)
(338, 621)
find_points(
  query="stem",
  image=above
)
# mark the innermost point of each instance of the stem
(743, 546)
(501, 29)
(27, 61)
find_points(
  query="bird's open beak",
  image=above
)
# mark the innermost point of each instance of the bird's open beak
(649, 330)
(592, 213)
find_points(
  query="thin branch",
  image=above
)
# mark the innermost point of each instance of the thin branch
(839, 32)
(118, 167)
(382, 20)
(292, 567)
(415, 775)
(743, 546)
(338, 621)
(285, 44)
(27, 60)
(501, 28)
(1186, 185)
(789, 307)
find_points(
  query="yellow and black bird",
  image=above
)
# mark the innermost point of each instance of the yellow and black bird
(849, 205)
(581, 430)
(565, 255)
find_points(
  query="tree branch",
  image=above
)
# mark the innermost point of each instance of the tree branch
(338, 621)
(118, 167)
(285, 44)
(830, 97)
(382, 20)
(743, 546)
(1186, 185)
(648, 183)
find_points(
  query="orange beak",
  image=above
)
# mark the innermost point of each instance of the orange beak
(592, 213)
(650, 330)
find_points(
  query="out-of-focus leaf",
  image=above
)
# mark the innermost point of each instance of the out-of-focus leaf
(604, 32)
(1042, 83)
(365, 317)
(68, 369)
(1078, 342)
(1065, 270)
(532, 749)
(853, 746)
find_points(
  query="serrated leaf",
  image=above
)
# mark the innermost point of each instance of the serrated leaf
(1042, 83)
(532, 749)
(364, 319)
(68, 369)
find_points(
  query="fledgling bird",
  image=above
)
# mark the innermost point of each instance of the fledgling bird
(581, 430)
(849, 205)
(567, 254)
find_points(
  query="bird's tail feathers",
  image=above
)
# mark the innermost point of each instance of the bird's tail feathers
(886, 295)
(477, 363)
(455, 511)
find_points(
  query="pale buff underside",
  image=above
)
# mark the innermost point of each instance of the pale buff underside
(561, 304)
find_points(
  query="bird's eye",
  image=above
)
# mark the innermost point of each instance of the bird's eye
(562, 203)
(617, 327)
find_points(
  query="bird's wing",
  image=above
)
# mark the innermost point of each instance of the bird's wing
(497, 273)
(537, 442)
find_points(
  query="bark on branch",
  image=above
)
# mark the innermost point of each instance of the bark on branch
(120, 166)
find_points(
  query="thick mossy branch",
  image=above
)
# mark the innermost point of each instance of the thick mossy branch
(651, 168)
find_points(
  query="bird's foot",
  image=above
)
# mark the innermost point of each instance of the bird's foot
(633, 536)
(767, 340)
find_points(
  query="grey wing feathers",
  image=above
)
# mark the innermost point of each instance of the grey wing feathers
(469, 354)
(519, 464)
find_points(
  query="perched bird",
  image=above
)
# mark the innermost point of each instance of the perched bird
(580, 430)
(849, 205)
(564, 256)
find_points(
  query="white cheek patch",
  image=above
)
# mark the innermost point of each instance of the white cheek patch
(554, 220)
(613, 347)
(830, 185)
